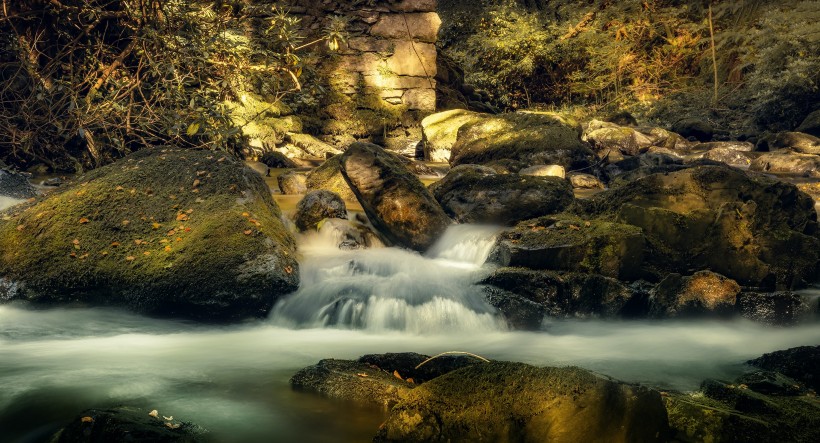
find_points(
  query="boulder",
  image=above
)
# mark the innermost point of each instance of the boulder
(695, 128)
(799, 363)
(664, 139)
(729, 156)
(785, 161)
(292, 183)
(703, 293)
(566, 243)
(544, 171)
(418, 368)
(522, 140)
(328, 176)
(169, 232)
(124, 423)
(585, 181)
(439, 132)
(796, 141)
(811, 124)
(752, 229)
(741, 146)
(349, 234)
(775, 308)
(311, 146)
(316, 206)
(501, 401)
(396, 202)
(15, 185)
(275, 159)
(621, 139)
(476, 194)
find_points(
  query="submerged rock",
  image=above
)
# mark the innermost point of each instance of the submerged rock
(123, 424)
(316, 206)
(501, 401)
(476, 194)
(348, 234)
(167, 232)
(396, 202)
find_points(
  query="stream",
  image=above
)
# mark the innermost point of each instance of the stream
(233, 380)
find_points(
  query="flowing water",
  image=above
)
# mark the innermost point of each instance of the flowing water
(233, 380)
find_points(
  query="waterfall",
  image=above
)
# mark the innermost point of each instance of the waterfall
(392, 288)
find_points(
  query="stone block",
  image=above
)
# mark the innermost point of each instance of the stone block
(413, 59)
(414, 6)
(420, 99)
(420, 26)
(396, 82)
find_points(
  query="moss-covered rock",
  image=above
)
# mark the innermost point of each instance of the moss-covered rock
(164, 231)
(476, 194)
(703, 293)
(800, 363)
(567, 243)
(757, 231)
(439, 132)
(786, 161)
(128, 424)
(515, 402)
(522, 139)
(328, 176)
(625, 140)
(396, 202)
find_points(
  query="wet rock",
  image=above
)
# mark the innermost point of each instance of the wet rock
(544, 171)
(404, 363)
(311, 146)
(785, 161)
(518, 311)
(396, 202)
(275, 159)
(811, 124)
(703, 293)
(122, 424)
(349, 234)
(316, 206)
(799, 363)
(328, 176)
(625, 140)
(740, 146)
(795, 141)
(667, 140)
(776, 308)
(585, 181)
(729, 156)
(523, 139)
(502, 401)
(691, 127)
(440, 131)
(167, 232)
(475, 194)
(352, 381)
(292, 183)
(15, 185)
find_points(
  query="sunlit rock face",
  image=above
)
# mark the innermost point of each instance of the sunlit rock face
(395, 201)
(191, 234)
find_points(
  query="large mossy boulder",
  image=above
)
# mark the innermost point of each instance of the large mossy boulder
(328, 176)
(520, 140)
(316, 206)
(476, 194)
(169, 232)
(439, 132)
(398, 205)
(515, 402)
(126, 424)
(755, 230)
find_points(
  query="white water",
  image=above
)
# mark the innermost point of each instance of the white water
(7, 202)
(234, 380)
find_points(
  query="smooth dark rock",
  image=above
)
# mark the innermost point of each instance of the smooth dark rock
(699, 129)
(811, 124)
(275, 159)
(125, 424)
(316, 206)
(776, 308)
(801, 363)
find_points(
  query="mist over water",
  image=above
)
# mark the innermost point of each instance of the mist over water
(233, 380)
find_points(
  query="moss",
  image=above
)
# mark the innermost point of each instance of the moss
(328, 176)
(148, 231)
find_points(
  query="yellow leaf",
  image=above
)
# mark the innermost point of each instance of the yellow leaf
(86, 420)
(396, 374)
(167, 248)
(362, 374)
(83, 221)
(129, 258)
(193, 128)
(20, 227)
(182, 216)
(155, 225)
(247, 232)
(196, 183)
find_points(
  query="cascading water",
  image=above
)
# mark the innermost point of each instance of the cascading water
(393, 289)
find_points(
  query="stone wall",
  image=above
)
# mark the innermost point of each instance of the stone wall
(380, 83)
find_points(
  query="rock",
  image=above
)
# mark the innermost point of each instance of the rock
(703, 293)
(692, 127)
(54, 181)
(739, 146)
(328, 176)
(522, 139)
(422, 26)
(292, 183)
(566, 243)
(15, 185)
(785, 161)
(168, 232)
(405, 364)
(311, 146)
(124, 423)
(799, 363)
(501, 401)
(439, 132)
(770, 383)
(585, 181)
(728, 156)
(622, 118)
(754, 230)
(697, 420)
(560, 295)
(395, 201)
(348, 234)
(544, 171)
(316, 206)
(811, 124)
(351, 381)
(796, 141)
(664, 139)
(475, 194)
(621, 139)
(776, 308)
(275, 159)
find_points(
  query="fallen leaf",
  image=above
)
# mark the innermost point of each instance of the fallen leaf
(83, 221)
(201, 173)
(104, 253)
(410, 380)
(86, 419)
(72, 255)
(138, 242)
(76, 241)
(119, 188)
(362, 374)
(171, 426)
(245, 214)
(221, 160)
(397, 375)
(84, 256)
(129, 258)
(146, 253)
(289, 269)
(21, 227)
(155, 225)
(167, 249)
(168, 418)
(163, 241)
(182, 216)
(189, 211)
(115, 244)
(575, 228)
(187, 229)
(171, 232)
(154, 413)
(199, 200)
(247, 231)
(126, 222)
(172, 197)
(179, 239)
(196, 183)
(81, 193)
